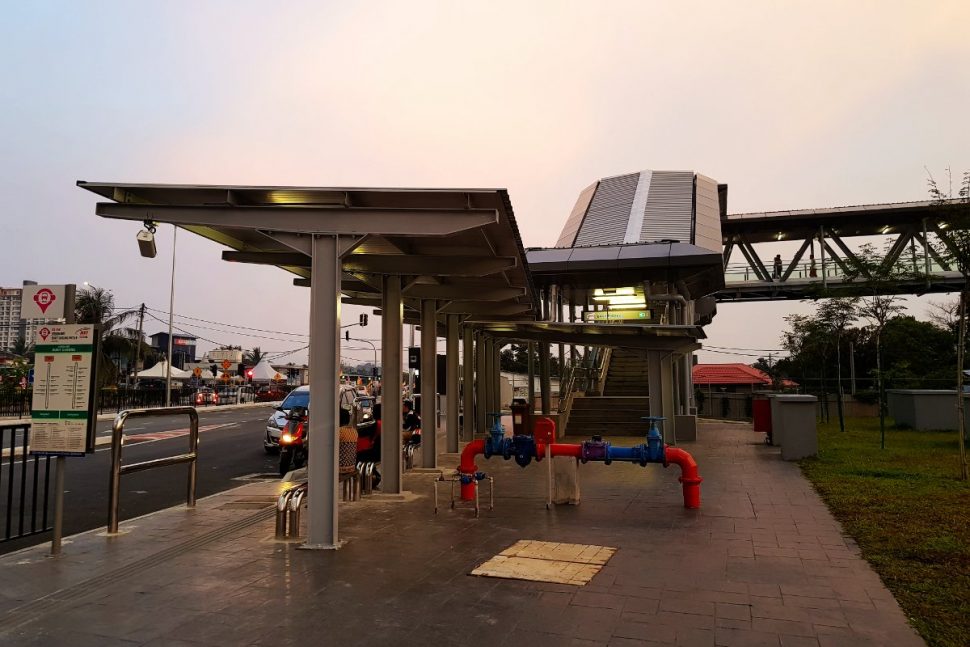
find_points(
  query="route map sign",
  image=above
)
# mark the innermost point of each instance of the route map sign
(62, 412)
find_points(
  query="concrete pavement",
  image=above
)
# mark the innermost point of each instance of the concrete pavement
(761, 563)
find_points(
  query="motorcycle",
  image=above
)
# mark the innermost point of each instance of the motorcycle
(294, 442)
(294, 439)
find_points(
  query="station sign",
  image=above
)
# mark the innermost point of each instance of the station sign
(606, 316)
(46, 301)
(62, 411)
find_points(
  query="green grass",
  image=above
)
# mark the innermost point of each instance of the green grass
(908, 511)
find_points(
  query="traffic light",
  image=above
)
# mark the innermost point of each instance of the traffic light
(241, 370)
(363, 320)
(249, 375)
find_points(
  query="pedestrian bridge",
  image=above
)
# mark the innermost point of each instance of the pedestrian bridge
(825, 264)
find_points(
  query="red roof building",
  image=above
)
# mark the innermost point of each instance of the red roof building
(733, 377)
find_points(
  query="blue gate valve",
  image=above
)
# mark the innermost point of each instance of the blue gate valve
(495, 443)
(655, 439)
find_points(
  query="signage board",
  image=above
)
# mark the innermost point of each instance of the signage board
(62, 412)
(616, 315)
(46, 301)
(226, 364)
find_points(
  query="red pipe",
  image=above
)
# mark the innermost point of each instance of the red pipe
(467, 466)
(688, 475)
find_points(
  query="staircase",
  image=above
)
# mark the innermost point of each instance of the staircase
(617, 411)
(608, 416)
(626, 374)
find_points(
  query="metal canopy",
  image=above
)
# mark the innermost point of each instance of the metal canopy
(457, 246)
(598, 266)
(663, 338)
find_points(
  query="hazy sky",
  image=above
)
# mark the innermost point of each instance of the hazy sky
(793, 105)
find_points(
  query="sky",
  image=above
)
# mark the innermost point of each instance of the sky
(793, 105)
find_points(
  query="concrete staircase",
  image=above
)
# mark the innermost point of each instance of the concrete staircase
(608, 416)
(626, 374)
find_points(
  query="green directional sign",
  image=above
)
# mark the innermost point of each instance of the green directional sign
(62, 412)
(607, 316)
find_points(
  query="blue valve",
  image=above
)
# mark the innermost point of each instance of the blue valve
(655, 439)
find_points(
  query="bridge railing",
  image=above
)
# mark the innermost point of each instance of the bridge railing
(812, 271)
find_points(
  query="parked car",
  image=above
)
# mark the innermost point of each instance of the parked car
(236, 394)
(300, 397)
(206, 395)
(270, 394)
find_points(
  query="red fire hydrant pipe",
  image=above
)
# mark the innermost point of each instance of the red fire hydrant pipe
(688, 475)
(467, 467)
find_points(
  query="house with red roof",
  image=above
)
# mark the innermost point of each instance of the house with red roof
(733, 378)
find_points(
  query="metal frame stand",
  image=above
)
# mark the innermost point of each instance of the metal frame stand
(455, 478)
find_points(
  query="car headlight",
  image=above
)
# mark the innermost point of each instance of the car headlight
(272, 423)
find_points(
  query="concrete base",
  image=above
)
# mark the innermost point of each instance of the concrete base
(686, 427)
(565, 480)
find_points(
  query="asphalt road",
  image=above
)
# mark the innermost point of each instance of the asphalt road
(230, 447)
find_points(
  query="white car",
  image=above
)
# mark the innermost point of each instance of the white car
(299, 397)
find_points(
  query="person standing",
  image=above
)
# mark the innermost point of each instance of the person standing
(778, 267)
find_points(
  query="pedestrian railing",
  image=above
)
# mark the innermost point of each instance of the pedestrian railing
(25, 485)
(288, 507)
(117, 469)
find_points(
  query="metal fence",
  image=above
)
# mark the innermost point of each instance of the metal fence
(16, 403)
(725, 406)
(25, 485)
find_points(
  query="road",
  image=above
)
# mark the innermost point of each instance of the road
(230, 447)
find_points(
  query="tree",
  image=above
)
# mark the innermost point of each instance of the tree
(835, 315)
(877, 283)
(254, 356)
(23, 348)
(956, 247)
(97, 306)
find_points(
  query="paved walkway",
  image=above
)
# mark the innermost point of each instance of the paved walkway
(762, 563)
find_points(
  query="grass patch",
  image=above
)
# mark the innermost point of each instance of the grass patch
(908, 511)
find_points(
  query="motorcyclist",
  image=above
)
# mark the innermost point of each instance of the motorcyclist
(369, 444)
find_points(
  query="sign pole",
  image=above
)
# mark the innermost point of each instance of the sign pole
(60, 467)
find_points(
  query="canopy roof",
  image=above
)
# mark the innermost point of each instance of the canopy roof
(263, 372)
(160, 370)
(458, 246)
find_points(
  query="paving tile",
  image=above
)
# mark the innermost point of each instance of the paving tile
(791, 627)
(733, 611)
(745, 638)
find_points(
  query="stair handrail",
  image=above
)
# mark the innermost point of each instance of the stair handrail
(603, 368)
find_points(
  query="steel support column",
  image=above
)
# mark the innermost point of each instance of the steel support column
(452, 381)
(392, 324)
(531, 364)
(660, 377)
(481, 384)
(468, 384)
(545, 384)
(429, 375)
(324, 424)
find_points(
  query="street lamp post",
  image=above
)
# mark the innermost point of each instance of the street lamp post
(171, 314)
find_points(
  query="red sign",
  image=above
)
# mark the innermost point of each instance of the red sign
(44, 299)
(44, 333)
(226, 364)
(49, 358)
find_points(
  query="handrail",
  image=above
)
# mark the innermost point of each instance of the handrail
(117, 469)
(288, 506)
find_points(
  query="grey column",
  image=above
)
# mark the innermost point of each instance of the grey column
(429, 409)
(468, 384)
(486, 378)
(660, 375)
(562, 347)
(392, 324)
(497, 376)
(324, 423)
(545, 385)
(451, 354)
(531, 349)
(481, 395)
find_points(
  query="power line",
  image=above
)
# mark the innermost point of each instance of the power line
(229, 325)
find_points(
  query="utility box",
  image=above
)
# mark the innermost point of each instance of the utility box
(793, 425)
(761, 413)
(521, 417)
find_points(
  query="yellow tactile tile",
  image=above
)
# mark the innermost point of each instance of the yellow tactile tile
(543, 561)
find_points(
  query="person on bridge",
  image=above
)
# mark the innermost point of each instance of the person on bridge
(778, 267)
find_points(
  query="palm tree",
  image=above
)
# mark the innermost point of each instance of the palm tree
(254, 356)
(23, 348)
(95, 305)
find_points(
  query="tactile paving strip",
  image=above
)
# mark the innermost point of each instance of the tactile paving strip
(544, 561)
